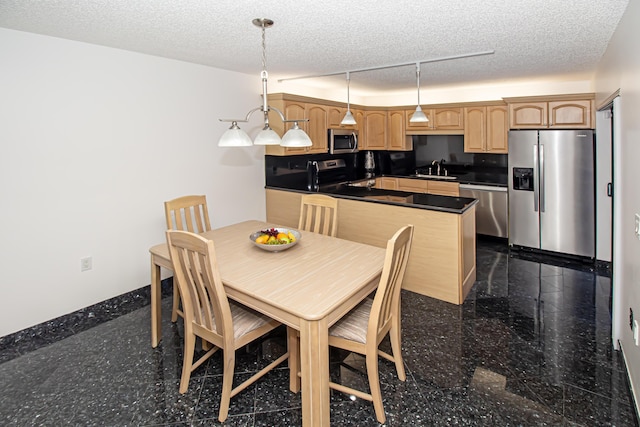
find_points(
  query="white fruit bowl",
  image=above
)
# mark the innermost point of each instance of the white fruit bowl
(278, 247)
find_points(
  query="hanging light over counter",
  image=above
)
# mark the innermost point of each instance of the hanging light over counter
(236, 137)
(418, 116)
(348, 117)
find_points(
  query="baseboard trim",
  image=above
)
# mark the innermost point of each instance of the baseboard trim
(30, 339)
(632, 386)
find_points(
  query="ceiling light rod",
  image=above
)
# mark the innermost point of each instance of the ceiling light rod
(236, 137)
(418, 116)
(382, 67)
(348, 117)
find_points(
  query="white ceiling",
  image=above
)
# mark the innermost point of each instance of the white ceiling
(531, 38)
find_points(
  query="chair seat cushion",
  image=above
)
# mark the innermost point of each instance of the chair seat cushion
(353, 326)
(246, 320)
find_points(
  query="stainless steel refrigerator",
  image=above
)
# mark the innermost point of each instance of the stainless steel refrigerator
(551, 191)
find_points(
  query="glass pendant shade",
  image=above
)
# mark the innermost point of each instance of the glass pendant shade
(267, 136)
(348, 119)
(296, 137)
(419, 116)
(234, 137)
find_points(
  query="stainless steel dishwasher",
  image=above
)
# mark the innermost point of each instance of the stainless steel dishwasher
(492, 210)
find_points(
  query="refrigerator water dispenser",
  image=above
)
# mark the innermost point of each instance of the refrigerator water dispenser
(523, 179)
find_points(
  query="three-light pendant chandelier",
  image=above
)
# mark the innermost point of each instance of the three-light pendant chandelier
(296, 137)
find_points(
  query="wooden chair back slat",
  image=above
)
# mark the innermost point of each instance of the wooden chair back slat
(188, 213)
(319, 214)
(386, 303)
(203, 296)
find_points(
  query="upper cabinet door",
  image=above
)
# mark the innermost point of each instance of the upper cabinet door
(448, 118)
(497, 129)
(486, 129)
(525, 115)
(317, 127)
(375, 131)
(335, 116)
(291, 110)
(408, 114)
(570, 114)
(397, 140)
(475, 129)
(557, 114)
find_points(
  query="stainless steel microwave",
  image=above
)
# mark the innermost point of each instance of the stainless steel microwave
(343, 141)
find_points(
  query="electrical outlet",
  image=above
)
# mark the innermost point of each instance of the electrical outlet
(636, 333)
(638, 226)
(86, 263)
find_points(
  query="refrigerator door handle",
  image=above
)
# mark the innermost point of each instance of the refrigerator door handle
(535, 180)
(542, 203)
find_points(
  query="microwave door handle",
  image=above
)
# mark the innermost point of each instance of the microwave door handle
(355, 139)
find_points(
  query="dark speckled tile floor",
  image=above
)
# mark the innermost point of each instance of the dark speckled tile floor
(529, 347)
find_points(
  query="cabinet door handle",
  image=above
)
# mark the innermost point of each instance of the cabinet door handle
(610, 189)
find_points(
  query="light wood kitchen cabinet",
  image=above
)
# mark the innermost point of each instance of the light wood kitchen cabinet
(486, 129)
(387, 183)
(526, 115)
(315, 127)
(413, 185)
(397, 139)
(439, 119)
(335, 116)
(291, 110)
(420, 126)
(444, 188)
(570, 114)
(554, 113)
(375, 131)
(430, 186)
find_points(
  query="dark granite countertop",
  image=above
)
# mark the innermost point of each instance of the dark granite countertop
(456, 205)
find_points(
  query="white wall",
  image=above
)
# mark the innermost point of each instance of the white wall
(620, 69)
(93, 141)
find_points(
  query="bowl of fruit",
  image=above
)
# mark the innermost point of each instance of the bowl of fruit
(275, 239)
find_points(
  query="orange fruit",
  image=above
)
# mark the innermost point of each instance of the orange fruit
(281, 236)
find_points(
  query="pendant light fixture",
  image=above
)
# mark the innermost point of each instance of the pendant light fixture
(348, 118)
(418, 116)
(236, 137)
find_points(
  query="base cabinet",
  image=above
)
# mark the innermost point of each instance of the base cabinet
(430, 186)
(442, 263)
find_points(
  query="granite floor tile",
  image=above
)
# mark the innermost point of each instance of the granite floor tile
(530, 346)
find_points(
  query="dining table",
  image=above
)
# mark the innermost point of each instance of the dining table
(307, 287)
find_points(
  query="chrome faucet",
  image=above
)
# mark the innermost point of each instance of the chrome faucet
(436, 163)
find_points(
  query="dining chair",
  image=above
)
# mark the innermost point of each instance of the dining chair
(319, 214)
(210, 315)
(364, 327)
(187, 213)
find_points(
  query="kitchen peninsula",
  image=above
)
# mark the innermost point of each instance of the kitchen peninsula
(442, 263)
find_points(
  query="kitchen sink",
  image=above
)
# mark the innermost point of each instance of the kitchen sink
(444, 177)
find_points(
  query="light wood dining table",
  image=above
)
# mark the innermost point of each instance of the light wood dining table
(308, 287)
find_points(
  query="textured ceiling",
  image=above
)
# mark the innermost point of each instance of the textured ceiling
(531, 38)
